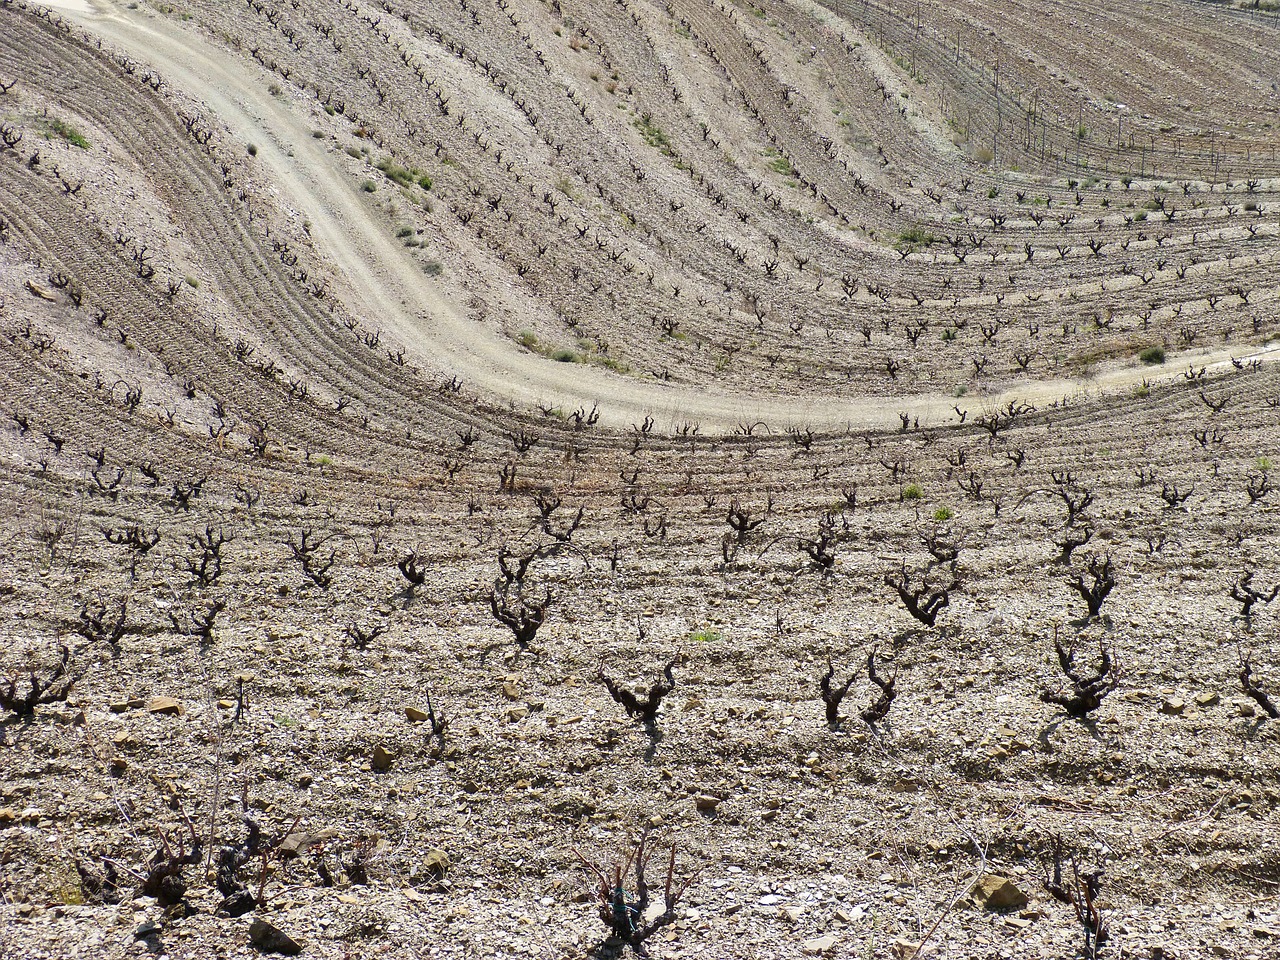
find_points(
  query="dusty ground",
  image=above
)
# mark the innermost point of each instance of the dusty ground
(361, 273)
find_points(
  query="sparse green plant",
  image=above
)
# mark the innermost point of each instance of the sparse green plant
(69, 133)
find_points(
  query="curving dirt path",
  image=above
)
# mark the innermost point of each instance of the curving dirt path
(391, 288)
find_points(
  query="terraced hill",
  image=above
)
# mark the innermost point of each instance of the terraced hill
(368, 363)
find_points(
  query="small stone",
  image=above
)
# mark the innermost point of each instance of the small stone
(120, 707)
(511, 688)
(271, 939)
(415, 714)
(124, 740)
(295, 844)
(1246, 709)
(910, 950)
(1173, 706)
(382, 758)
(165, 706)
(147, 930)
(8, 815)
(706, 803)
(819, 945)
(770, 900)
(437, 862)
(994, 892)
(226, 704)
(1209, 699)
(516, 714)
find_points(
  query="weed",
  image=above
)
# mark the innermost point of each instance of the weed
(653, 135)
(69, 133)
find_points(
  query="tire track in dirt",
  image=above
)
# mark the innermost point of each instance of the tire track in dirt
(391, 288)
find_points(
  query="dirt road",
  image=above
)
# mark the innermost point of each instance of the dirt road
(390, 286)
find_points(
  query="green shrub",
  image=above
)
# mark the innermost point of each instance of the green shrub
(917, 235)
(69, 134)
(653, 135)
(912, 491)
(368, 186)
(396, 173)
(943, 514)
(705, 635)
(1152, 356)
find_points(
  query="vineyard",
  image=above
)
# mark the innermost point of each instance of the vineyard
(811, 458)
